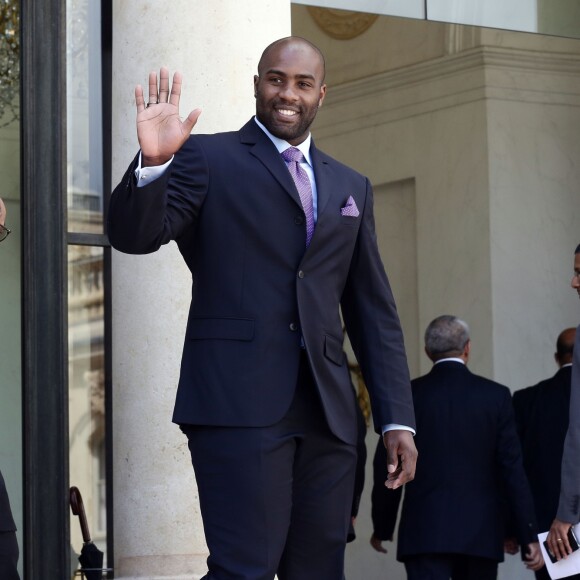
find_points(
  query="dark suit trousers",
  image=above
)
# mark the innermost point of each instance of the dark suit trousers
(275, 499)
(450, 566)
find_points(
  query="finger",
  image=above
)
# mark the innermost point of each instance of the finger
(554, 547)
(560, 539)
(556, 544)
(392, 456)
(404, 472)
(394, 466)
(534, 561)
(163, 85)
(176, 89)
(565, 544)
(397, 479)
(153, 98)
(378, 545)
(139, 101)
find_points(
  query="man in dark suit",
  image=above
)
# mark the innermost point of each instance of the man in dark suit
(568, 512)
(8, 543)
(452, 519)
(525, 400)
(541, 413)
(279, 238)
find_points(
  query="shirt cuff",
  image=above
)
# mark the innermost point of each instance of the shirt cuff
(145, 175)
(393, 426)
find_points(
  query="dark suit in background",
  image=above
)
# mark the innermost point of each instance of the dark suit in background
(452, 518)
(543, 443)
(542, 415)
(569, 505)
(265, 395)
(8, 543)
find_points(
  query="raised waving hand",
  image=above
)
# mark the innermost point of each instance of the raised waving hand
(160, 129)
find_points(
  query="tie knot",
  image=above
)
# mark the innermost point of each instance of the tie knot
(292, 154)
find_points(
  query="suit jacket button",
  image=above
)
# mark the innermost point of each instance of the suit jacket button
(301, 274)
(298, 220)
(293, 326)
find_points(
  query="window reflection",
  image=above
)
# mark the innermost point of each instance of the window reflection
(87, 389)
(10, 267)
(84, 127)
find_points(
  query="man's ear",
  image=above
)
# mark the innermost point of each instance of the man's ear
(467, 348)
(256, 81)
(322, 95)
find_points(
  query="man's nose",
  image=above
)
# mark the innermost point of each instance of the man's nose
(288, 93)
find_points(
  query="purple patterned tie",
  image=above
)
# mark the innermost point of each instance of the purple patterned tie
(293, 157)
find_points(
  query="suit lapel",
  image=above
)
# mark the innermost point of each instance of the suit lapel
(263, 149)
(324, 180)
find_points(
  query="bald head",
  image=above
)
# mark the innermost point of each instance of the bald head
(565, 346)
(295, 44)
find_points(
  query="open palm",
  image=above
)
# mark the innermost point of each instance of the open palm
(160, 129)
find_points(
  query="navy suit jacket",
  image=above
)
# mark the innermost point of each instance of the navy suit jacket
(542, 416)
(229, 202)
(469, 462)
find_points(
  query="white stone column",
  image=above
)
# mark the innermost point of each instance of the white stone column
(217, 44)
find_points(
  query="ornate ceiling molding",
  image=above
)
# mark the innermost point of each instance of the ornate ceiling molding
(342, 24)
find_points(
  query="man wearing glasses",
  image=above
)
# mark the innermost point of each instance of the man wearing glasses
(4, 231)
(8, 542)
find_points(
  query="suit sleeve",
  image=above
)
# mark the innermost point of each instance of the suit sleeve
(374, 329)
(140, 220)
(517, 488)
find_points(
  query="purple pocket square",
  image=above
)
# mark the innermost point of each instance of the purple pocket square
(350, 208)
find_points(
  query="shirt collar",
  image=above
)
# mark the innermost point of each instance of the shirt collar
(282, 145)
(450, 359)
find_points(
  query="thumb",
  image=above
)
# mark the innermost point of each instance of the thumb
(191, 120)
(392, 459)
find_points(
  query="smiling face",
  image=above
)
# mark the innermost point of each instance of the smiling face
(289, 88)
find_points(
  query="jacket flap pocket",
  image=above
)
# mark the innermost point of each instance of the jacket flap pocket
(221, 328)
(333, 349)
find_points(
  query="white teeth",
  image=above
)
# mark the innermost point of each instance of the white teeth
(286, 112)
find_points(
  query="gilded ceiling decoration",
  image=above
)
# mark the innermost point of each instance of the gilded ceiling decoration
(342, 24)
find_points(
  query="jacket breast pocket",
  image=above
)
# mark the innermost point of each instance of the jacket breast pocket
(333, 350)
(349, 220)
(221, 329)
